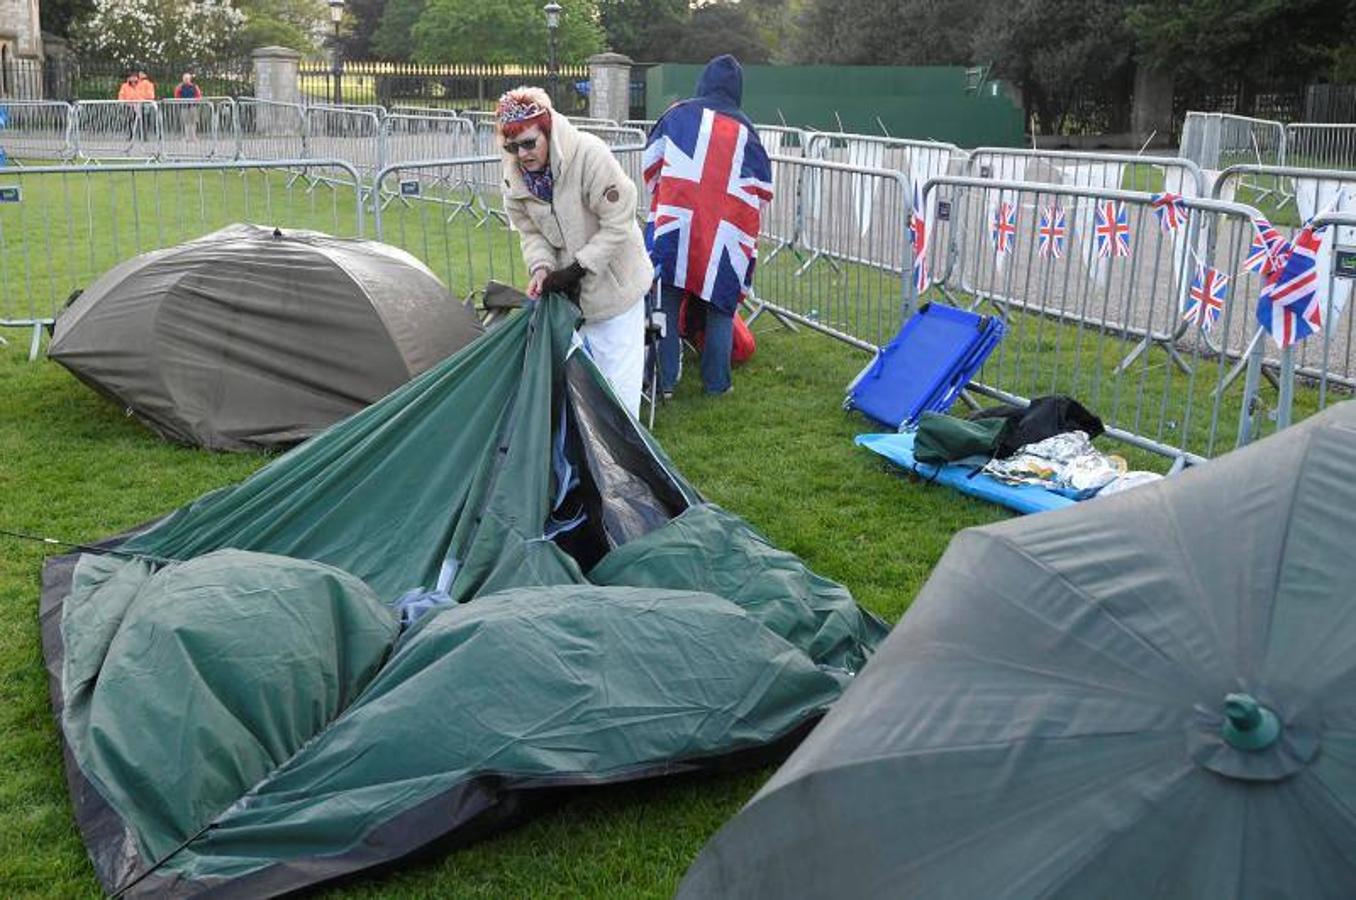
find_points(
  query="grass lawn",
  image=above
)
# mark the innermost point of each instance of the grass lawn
(777, 451)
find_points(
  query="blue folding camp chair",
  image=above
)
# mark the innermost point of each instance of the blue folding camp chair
(924, 367)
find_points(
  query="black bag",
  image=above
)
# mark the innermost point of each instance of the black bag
(942, 439)
(1045, 417)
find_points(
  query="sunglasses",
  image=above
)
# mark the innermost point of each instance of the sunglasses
(512, 147)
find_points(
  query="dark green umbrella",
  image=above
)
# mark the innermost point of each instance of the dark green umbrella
(1153, 694)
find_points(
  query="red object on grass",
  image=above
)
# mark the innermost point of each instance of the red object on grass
(693, 328)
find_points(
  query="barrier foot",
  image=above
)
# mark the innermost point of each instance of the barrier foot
(759, 307)
(809, 263)
(1146, 344)
(36, 343)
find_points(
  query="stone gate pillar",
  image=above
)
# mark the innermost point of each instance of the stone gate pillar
(610, 86)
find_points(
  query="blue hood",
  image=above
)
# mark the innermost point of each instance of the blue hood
(721, 85)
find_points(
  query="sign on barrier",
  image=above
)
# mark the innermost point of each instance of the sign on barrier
(11, 194)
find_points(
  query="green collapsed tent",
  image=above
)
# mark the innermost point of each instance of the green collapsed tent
(488, 584)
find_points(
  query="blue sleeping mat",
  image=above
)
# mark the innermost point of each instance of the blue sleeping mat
(924, 367)
(1024, 498)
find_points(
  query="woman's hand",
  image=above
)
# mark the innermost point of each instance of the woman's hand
(535, 282)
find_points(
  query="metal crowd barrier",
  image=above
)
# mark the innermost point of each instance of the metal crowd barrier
(615, 136)
(852, 219)
(63, 227)
(1331, 195)
(270, 130)
(1094, 170)
(1104, 170)
(116, 130)
(643, 124)
(451, 217)
(1320, 146)
(407, 109)
(1216, 141)
(350, 133)
(198, 129)
(406, 137)
(36, 130)
(779, 140)
(1078, 311)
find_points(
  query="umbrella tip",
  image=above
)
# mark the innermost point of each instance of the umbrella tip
(1248, 725)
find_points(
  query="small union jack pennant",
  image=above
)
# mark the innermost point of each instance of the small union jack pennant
(1003, 228)
(1171, 210)
(1288, 306)
(1206, 300)
(1112, 229)
(1051, 232)
(918, 236)
(1268, 251)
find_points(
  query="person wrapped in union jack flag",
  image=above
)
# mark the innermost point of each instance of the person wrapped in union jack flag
(575, 211)
(708, 179)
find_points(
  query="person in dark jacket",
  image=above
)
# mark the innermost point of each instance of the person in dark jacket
(708, 179)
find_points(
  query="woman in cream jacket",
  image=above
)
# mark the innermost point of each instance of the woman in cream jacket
(575, 212)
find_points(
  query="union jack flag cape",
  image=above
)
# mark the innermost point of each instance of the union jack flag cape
(1288, 306)
(707, 178)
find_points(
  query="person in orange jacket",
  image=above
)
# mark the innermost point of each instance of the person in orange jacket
(128, 89)
(145, 87)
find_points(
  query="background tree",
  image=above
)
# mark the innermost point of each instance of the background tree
(146, 31)
(280, 23)
(58, 16)
(1242, 42)
(889, 32)
(392, 39)
(362, 18)
(722, 27)
(1057, 50)
(503, 31)
(777, 22)
(645, 30)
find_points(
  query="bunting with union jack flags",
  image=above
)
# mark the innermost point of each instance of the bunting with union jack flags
(707, 177)
(1288, 306)
(1112, 229)
(1171, 210)
(918, 237)
(1205, 302)
(1051, 232)
(1003, 227)
(1268, 250)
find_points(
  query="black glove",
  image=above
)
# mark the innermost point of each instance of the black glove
(564, 281)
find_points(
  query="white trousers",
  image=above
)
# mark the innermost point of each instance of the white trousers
(617, 346)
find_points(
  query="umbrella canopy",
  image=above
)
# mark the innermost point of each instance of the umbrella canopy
(250, 337)
(1153, 694)
(488, 584)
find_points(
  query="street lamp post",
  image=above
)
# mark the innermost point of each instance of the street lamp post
(337, 13)
(552, 11)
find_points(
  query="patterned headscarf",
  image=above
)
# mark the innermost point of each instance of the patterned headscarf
(514, 107)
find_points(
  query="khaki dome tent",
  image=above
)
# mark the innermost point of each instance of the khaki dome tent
(250, 337)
